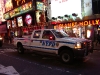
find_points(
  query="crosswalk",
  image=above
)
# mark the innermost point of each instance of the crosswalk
(9, 70)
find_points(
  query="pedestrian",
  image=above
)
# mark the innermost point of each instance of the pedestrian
(98, 39)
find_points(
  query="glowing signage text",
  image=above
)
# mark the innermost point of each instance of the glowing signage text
(18, 2)
(82, 23)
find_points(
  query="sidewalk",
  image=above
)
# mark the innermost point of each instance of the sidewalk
(96, 47)
(8, 45)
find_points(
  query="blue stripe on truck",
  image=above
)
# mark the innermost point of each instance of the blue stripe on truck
(40, 47)
(45, 40)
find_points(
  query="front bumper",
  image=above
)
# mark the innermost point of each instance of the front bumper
(82, 52)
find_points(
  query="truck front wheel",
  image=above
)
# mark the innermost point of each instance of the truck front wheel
(66, 56)
(20, 49)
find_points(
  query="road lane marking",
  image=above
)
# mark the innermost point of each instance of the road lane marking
(8, 70)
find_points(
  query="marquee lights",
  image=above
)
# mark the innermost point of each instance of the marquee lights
(19, 10)
(22, 1)
(82, 23)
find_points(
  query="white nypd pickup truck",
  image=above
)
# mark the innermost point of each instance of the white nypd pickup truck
(55, 42)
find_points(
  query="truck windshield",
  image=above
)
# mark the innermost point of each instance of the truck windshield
(60, 34)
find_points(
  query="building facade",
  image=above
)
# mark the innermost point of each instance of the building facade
(74, 17)
(23, 16)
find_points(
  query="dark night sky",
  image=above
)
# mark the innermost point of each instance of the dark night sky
(96, 6)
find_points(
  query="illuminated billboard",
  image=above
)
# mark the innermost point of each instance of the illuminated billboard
(20, 21)
(62, 7)
(8, 5)
(87, 7)
(40, 17)
(39, 5)
(28, 19)
(18, 11)
(17, 3)
(68, 7)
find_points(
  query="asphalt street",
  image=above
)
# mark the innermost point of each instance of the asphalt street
(30, 63)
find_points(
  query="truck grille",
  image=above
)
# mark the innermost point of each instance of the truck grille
(86, 45)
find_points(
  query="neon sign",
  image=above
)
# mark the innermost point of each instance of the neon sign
(82, 23)
(18, 2)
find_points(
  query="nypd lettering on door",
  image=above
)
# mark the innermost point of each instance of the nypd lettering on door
(47, 43)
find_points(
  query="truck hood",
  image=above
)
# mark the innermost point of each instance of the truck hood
(73, 39)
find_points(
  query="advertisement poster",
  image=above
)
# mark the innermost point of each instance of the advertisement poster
(28, 19)
(8, 24)
(87, 7)
(13, 24)
(40, 6)
(40, 17)
(20, 21)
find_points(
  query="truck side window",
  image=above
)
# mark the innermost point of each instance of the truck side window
(37, 34)
(47, 34)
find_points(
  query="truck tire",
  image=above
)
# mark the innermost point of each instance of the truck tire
(66, 56)
(20, 49)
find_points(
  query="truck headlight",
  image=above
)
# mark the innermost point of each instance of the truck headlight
(78, 45)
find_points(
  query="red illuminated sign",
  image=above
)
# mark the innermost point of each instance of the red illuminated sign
(81, 23)
(28, 19)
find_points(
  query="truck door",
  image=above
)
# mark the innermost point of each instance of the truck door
(48, 42)
(35, 40)
(26, 41)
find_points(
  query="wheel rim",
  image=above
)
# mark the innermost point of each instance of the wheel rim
(65, 57)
